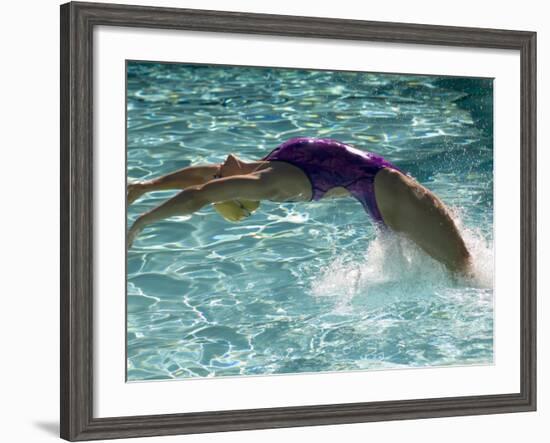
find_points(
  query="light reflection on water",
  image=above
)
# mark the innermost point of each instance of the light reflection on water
(305, 287)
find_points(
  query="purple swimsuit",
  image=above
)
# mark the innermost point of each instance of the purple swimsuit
(329, 163)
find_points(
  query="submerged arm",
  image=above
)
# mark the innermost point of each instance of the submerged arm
(251, 187)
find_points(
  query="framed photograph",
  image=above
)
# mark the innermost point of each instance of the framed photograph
(272, 221)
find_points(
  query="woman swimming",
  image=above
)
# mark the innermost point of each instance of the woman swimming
(305, 169)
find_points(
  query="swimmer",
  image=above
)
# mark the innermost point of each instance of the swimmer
(304, 169)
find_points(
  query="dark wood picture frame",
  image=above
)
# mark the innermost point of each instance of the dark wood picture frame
(77, 23)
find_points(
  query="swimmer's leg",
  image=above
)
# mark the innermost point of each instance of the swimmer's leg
(252, 187)
(408, 207)
(190, 176)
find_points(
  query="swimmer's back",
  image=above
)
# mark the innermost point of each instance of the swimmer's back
(331, 164)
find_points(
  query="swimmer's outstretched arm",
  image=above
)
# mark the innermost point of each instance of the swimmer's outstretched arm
(190, 176)
(251, 186)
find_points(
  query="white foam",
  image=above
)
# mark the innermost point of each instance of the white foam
(482, 253)
(393, 264)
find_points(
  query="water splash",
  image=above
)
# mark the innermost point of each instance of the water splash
(481, 250)
(395, 265)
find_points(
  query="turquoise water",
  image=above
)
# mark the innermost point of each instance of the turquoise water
(305, 287)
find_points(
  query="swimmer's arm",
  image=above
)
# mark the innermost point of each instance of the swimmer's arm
(190, 176)
(190, 200)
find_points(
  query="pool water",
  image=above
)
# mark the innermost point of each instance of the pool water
(305, 287)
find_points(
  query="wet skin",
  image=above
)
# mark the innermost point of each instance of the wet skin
(405, 205)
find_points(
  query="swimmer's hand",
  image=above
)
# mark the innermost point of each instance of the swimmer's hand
(135, 191)
(134, 231)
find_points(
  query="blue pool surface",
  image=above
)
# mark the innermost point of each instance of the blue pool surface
(305, 287)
